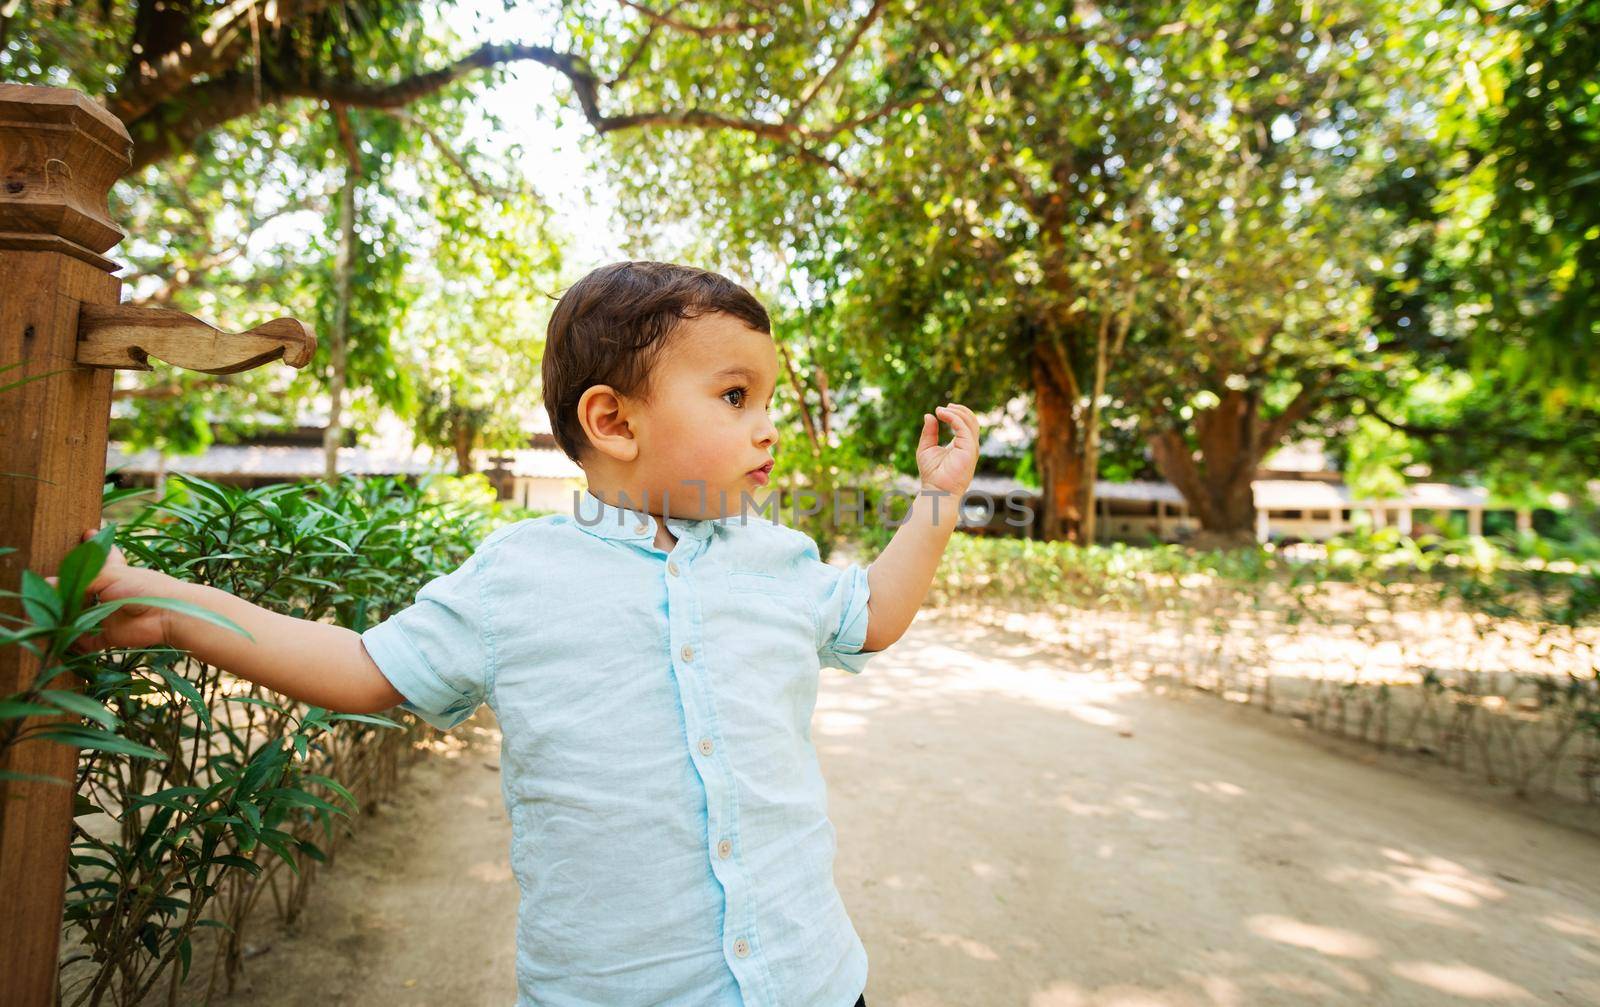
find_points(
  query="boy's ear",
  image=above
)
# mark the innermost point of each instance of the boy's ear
(604, 416)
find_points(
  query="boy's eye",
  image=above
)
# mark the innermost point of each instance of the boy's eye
(735, 391)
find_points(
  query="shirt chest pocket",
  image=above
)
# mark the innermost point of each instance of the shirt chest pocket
(772, 642)
(780, 614)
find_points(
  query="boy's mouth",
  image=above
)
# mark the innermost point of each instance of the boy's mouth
(760, 474)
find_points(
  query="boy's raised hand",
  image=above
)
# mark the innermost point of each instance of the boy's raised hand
(948, 467)
(131, 626)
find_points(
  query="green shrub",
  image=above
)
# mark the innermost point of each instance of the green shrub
(200, 795)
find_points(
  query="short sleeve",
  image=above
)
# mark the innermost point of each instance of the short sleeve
(840, 595)
(435, 652)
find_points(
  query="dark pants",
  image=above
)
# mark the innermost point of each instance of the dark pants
(861, 1001)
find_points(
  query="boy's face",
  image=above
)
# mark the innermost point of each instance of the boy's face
(707, 417)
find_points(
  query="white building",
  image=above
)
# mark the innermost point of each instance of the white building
(1297, 493)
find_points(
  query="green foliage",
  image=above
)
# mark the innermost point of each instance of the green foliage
(1540, 234)
(197, 790)
(240, 225)
(1013, 183)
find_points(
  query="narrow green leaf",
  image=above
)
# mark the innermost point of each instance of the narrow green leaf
(76, 702)
(367, 718)
(16, 709)
(99, 740)
(187, 690)
(92, 617)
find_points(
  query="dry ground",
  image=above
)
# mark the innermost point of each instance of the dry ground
(1012, 831)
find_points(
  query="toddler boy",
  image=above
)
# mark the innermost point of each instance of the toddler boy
(652, 660)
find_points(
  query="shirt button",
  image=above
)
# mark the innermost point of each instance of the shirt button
(724, 848)
(641, 528)
(688, 652)
(672, 568)
(741, 947)
(705, 746)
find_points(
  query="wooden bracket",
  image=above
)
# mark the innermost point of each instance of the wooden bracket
(124, 336)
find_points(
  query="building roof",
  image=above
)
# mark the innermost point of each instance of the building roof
(297, 462)
(1139, 491)
(536, 463)
(306, 462)
(1297, 494)
(268, 461)
(1273, 494)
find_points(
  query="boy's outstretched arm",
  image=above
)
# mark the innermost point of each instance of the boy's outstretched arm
(313, 662)
(899, 578)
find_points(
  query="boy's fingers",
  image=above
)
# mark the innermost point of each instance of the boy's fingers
(962, 420)
(102, 581)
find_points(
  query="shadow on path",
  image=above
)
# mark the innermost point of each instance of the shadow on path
(1013, 832)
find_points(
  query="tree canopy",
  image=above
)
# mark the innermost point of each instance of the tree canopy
(1181, 233)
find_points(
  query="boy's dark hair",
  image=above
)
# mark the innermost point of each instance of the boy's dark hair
(611, 327)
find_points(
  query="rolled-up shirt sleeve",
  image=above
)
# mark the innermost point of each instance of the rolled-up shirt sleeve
(843, 614)
(437, 651)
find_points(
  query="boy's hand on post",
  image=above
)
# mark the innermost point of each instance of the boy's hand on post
(131, 626)
(948, 467)
(311, 661)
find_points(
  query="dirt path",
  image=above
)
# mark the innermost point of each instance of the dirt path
(1013, 833)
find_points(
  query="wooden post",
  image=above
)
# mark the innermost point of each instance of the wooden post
(1524, 520)
(62, 333)
(59, 154)
(1475, 522)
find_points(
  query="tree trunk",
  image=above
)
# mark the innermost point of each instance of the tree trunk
(800, 401)
(462, 435)
(1057, 457)
(343, 267)
(1091, 437)
(1232, 439)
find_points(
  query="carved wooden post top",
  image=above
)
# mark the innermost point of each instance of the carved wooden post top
(60, 153)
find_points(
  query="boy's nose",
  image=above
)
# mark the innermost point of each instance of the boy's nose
(768, 433)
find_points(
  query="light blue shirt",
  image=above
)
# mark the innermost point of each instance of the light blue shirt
(669, 829)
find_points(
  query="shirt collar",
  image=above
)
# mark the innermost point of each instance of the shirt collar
(627, 524)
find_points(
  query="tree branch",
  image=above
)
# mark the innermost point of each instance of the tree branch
(1308, 398)
(638, 54)
(844, 53)
(1497, 435)
(478, 185)
(347, 138)
(703, 31)
(158, 76)
(211, 103)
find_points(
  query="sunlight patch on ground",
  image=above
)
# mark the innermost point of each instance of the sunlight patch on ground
(1219, 788)
(1325, 940)
(1460, 979)
(1573, 926)
(966, 945)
